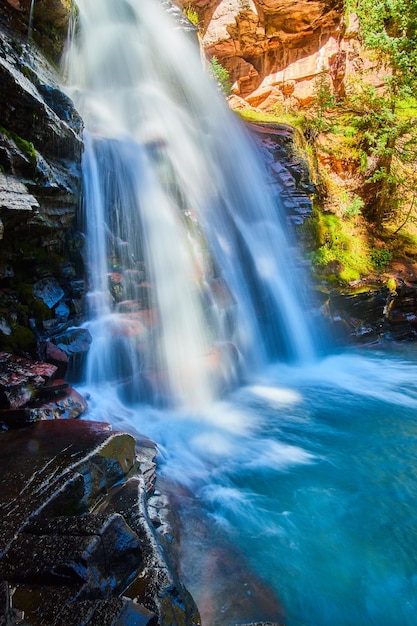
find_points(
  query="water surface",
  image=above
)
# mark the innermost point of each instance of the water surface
(310, 472)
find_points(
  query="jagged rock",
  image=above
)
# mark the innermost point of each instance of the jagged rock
(288, 175)
(99, 553)
(56, 356)
(6, 616)
(68, 404)
(114, 612)
(266, 43)
(14, 196)
(49, 24)
(40, 159)
(372, 313)
(57, 468)
(67, 564)
(20, 378)
(49, 291)
(26, 397)
(73, 341)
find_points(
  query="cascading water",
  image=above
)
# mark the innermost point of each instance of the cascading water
(189, 266)
(309, 469)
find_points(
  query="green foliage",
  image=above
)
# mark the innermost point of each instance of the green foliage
(192, 15)
(389, 29)
(386, 117)
(323, 100)
(380, 257)
(220, 75)
(352, 207)
(341, 255)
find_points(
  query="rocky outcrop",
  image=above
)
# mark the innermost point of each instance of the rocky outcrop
(41, 267)
(372, 313)
(30, 391)
(43, 21)
(274, 50)
(76, 549)
(287, 172)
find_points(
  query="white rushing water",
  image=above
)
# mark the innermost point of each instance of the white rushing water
(190, 275)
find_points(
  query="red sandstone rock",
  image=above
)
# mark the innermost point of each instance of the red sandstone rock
(20, 378)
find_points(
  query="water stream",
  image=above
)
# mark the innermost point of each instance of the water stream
(303, 467)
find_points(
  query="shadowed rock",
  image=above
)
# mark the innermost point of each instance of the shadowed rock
(74, 534)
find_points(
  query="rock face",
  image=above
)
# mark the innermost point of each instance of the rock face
(40, 154)
(373, 313)
(44, 21)
(274, 50)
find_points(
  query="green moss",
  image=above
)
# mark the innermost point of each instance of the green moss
(40, 310)
(256, 116)
(220, 75)
(21, 340)
(32, 306)
(25, 146)
(281, 115)
(340, 254)
(25, 292)
(380, 257)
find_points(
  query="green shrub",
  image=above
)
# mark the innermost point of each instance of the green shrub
(220, 75)
(352, 207)
(192, 15)
(340, 254)
(380, 257)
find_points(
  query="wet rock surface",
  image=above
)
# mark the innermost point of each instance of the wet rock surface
(29, 392)
(288, 175)
(74, 535)
(41, 274)
(372, 313)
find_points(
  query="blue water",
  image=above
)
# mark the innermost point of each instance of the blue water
(312, 474)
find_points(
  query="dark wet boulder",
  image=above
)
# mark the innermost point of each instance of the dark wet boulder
(100, 553)
(74, 530)
(29, 393)
(49, 291)
(59, 403)
(113, 612)
(73, 341)
(372, 313)
(20, 379)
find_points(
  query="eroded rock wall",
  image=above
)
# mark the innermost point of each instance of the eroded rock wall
(40, 175)
(275, 49)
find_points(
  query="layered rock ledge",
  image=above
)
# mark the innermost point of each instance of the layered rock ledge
(76, 547)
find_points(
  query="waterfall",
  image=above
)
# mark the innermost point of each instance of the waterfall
(191, 283)
(30, 23)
